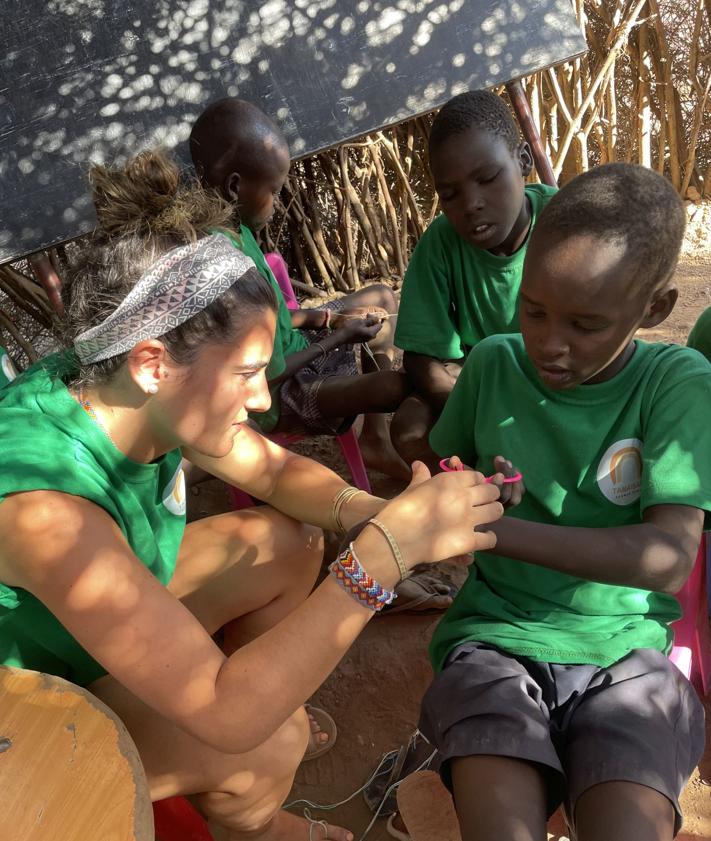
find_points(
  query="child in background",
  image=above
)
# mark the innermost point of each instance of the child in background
(700, 336)
(553, 684)
(463, 277)
(313, 375)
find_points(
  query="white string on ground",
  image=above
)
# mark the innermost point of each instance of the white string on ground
(308, 804)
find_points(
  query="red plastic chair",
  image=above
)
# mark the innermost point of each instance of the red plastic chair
(692, 645)
(176, 819)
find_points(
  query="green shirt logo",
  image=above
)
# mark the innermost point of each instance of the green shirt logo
(174, 493)
(619, 475)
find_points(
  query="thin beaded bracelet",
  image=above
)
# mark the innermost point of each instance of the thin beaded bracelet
(351, 576)
(392, 543)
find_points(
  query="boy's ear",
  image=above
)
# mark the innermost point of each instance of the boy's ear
(230, 187)
(660, 306)
(525, 159)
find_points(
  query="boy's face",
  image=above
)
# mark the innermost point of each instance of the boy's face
(579, 310)
(254, 193)
(480, 185)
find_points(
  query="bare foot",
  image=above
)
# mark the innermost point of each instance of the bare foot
(382, 456)
(287, 827)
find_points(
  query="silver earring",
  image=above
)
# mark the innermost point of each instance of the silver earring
(152, 388)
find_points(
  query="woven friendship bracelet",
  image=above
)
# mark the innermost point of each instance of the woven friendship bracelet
(351, 576)
(392, 543)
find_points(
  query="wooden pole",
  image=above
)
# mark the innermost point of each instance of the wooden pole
(530, 132)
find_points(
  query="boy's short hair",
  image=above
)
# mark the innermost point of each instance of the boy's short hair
(481, 109)
(622, 203)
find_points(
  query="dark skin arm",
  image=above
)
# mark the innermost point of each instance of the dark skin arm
(433, 378)
(657, 554)
(354, 331)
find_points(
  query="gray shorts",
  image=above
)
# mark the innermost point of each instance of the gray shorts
(638, 720)
(299, 394)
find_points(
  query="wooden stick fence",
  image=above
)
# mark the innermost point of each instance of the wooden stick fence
(353, 214)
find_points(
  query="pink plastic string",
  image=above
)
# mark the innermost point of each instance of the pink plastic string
(508, 480)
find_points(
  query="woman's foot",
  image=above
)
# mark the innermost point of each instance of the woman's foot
(323, 733)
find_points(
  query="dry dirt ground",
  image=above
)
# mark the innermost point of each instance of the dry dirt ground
(374, 693)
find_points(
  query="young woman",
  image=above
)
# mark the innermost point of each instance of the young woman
(171, 329)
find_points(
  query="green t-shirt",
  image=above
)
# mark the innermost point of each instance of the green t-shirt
(51, 443)
(700, 336)
(7, 369)
(456, 294)
(287, 339)
(592, 456)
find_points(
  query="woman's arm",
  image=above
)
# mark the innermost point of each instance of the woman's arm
(293, 484)
(657, 554)
(72, 556)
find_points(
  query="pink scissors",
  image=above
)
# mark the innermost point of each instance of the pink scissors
(508, 480)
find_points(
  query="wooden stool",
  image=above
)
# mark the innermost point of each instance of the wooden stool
(69, 771)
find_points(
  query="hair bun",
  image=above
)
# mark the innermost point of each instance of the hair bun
(131, 199)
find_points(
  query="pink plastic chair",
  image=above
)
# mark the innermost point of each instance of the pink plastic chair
(692, 646)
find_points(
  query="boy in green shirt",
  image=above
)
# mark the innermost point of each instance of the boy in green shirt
(463, 277)
(553, 683)
(313, 374)
(700, 336)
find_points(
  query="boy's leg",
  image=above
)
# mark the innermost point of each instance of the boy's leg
(499, 798)
(377, 295)
(375, 438)
(488, 717)
(253, 567)
(633, 739)
(410, 429)
(619, 811)
(372, 395)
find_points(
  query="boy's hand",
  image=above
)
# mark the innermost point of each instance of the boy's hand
(340, 319)
(358, 330)
(511, 492)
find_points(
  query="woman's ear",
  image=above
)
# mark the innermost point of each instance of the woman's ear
(660, 306)
(525, 159)
(145, 364)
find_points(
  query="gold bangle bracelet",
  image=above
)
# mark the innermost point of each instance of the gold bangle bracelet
(341, 498)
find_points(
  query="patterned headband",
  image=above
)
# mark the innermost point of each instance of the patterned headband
(179, 285)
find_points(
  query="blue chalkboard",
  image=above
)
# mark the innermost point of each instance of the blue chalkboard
(93, 80)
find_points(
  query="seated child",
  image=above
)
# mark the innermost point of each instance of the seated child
(313, 375)
(553, 683)
(7, 369)
(700, 336)
(462, 281)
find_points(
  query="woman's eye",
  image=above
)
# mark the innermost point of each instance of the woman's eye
(534, 314)
(490, 178)
(587, 328)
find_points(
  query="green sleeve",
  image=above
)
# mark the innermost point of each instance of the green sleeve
(425, 322)
(677, 437)
(453, 434)
(700, 336)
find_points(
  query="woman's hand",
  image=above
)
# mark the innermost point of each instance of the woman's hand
(511, 492)
(434, 519)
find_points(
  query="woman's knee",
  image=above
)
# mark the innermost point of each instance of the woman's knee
(251, 793)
